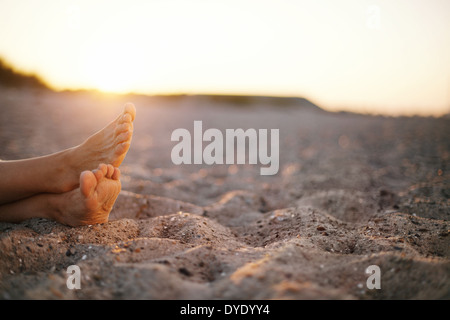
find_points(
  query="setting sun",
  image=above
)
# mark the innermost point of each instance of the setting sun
(103, 71)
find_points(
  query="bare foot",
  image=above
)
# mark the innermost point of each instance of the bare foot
(92, 202)
(109, 146)
(60, 172)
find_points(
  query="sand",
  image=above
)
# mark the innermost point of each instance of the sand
(352, 191)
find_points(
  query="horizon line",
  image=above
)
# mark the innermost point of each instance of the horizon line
(333, 109)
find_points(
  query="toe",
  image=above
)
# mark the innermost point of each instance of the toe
(126, 118)
(124, 127)
(122, 148)
(88, 182)
(116, 174)
(110, 171)
(130, 109)
(124, 136)
(98, 174)
(101, 171)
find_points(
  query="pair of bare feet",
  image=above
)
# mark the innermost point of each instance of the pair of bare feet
(76, 186)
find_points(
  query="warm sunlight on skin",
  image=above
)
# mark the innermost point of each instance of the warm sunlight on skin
(378, 56)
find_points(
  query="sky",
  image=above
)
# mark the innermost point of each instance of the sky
(374, 56)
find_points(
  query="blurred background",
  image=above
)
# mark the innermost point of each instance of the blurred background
(369, 185)
(389, 57)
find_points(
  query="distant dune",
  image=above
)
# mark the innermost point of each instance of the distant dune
(246, 100)
(233, 101)
(9, 77)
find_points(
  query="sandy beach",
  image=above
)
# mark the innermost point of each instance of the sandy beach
(352, 191)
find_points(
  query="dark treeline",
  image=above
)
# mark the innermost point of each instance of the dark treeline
(11, 78)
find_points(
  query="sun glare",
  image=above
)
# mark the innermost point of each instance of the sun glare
(105, 72)
(112, 59)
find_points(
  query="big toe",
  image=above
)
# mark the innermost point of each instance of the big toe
(130, 109)
(88, 182)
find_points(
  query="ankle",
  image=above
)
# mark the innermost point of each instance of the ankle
(66, 175)
(57, 208)
(49, 207)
